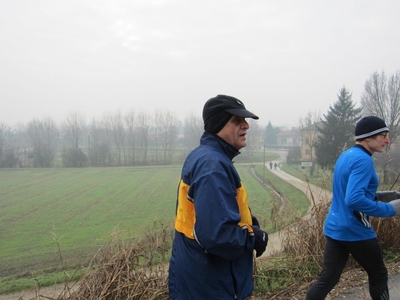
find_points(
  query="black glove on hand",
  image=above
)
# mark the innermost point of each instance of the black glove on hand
(255, 222)
(387, 196)
(396, 206)
(261, 240)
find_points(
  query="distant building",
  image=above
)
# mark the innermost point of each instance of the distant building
(289, 138)
(309, 137)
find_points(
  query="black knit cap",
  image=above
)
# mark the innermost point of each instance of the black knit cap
(369, 126)
(219, 110)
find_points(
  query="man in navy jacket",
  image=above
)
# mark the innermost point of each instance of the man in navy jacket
(215, 232)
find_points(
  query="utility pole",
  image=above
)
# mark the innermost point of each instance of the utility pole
(264, 167)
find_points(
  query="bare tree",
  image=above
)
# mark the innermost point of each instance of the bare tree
(382, 98)
(43, 135)
(130, 137)
(73, 130)
(98, 146)
(142, 135)
(309, 134)
(73, 136)
(114, 123)
(155, 133)
(192, 131)
(167, 132)
(7, 158)
(3, 141)
(22, 145)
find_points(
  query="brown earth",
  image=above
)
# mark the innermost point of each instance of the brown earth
(50, 292)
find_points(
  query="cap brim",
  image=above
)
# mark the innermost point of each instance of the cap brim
(240, 112)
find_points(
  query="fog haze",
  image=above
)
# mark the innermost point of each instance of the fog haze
(281, 58)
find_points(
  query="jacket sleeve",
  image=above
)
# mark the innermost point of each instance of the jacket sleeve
(218, 228)
(359, 197)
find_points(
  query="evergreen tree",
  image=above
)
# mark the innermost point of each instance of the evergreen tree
(270, 134)
(337, 129)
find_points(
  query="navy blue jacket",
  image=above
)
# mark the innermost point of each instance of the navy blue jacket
(212, 253)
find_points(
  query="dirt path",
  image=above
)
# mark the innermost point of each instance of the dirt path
(315, 195)
(49, 292)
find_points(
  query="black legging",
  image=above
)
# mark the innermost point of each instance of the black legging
(367, 253)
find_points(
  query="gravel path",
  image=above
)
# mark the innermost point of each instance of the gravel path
(48, 293)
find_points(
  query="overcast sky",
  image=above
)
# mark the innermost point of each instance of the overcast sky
(281, 58)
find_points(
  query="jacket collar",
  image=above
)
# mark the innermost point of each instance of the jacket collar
(363, 148)
(216, 141)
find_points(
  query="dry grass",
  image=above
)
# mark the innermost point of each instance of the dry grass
(121, 276)
(387, 230)
(128, 270)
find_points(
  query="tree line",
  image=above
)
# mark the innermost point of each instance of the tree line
(140, 138)
(115, 139)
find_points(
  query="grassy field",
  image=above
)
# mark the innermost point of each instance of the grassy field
(82, 208)
(79, 210)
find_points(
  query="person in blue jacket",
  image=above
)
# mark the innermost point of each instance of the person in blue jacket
(355, 198)
(215, 231)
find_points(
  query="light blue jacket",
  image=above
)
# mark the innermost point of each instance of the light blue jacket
(354, 187)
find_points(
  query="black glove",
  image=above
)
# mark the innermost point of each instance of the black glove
(396, 206)
(261, 240)
(387, 196)
(255, 222)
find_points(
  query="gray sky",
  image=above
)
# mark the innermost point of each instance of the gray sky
(281, 58)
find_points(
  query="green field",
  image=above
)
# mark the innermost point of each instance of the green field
(82, 207)
(79, 210)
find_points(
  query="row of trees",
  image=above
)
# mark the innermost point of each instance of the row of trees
(116, 139)
(119, 139)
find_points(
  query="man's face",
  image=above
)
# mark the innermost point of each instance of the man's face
(377, 143)
(234, 132)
